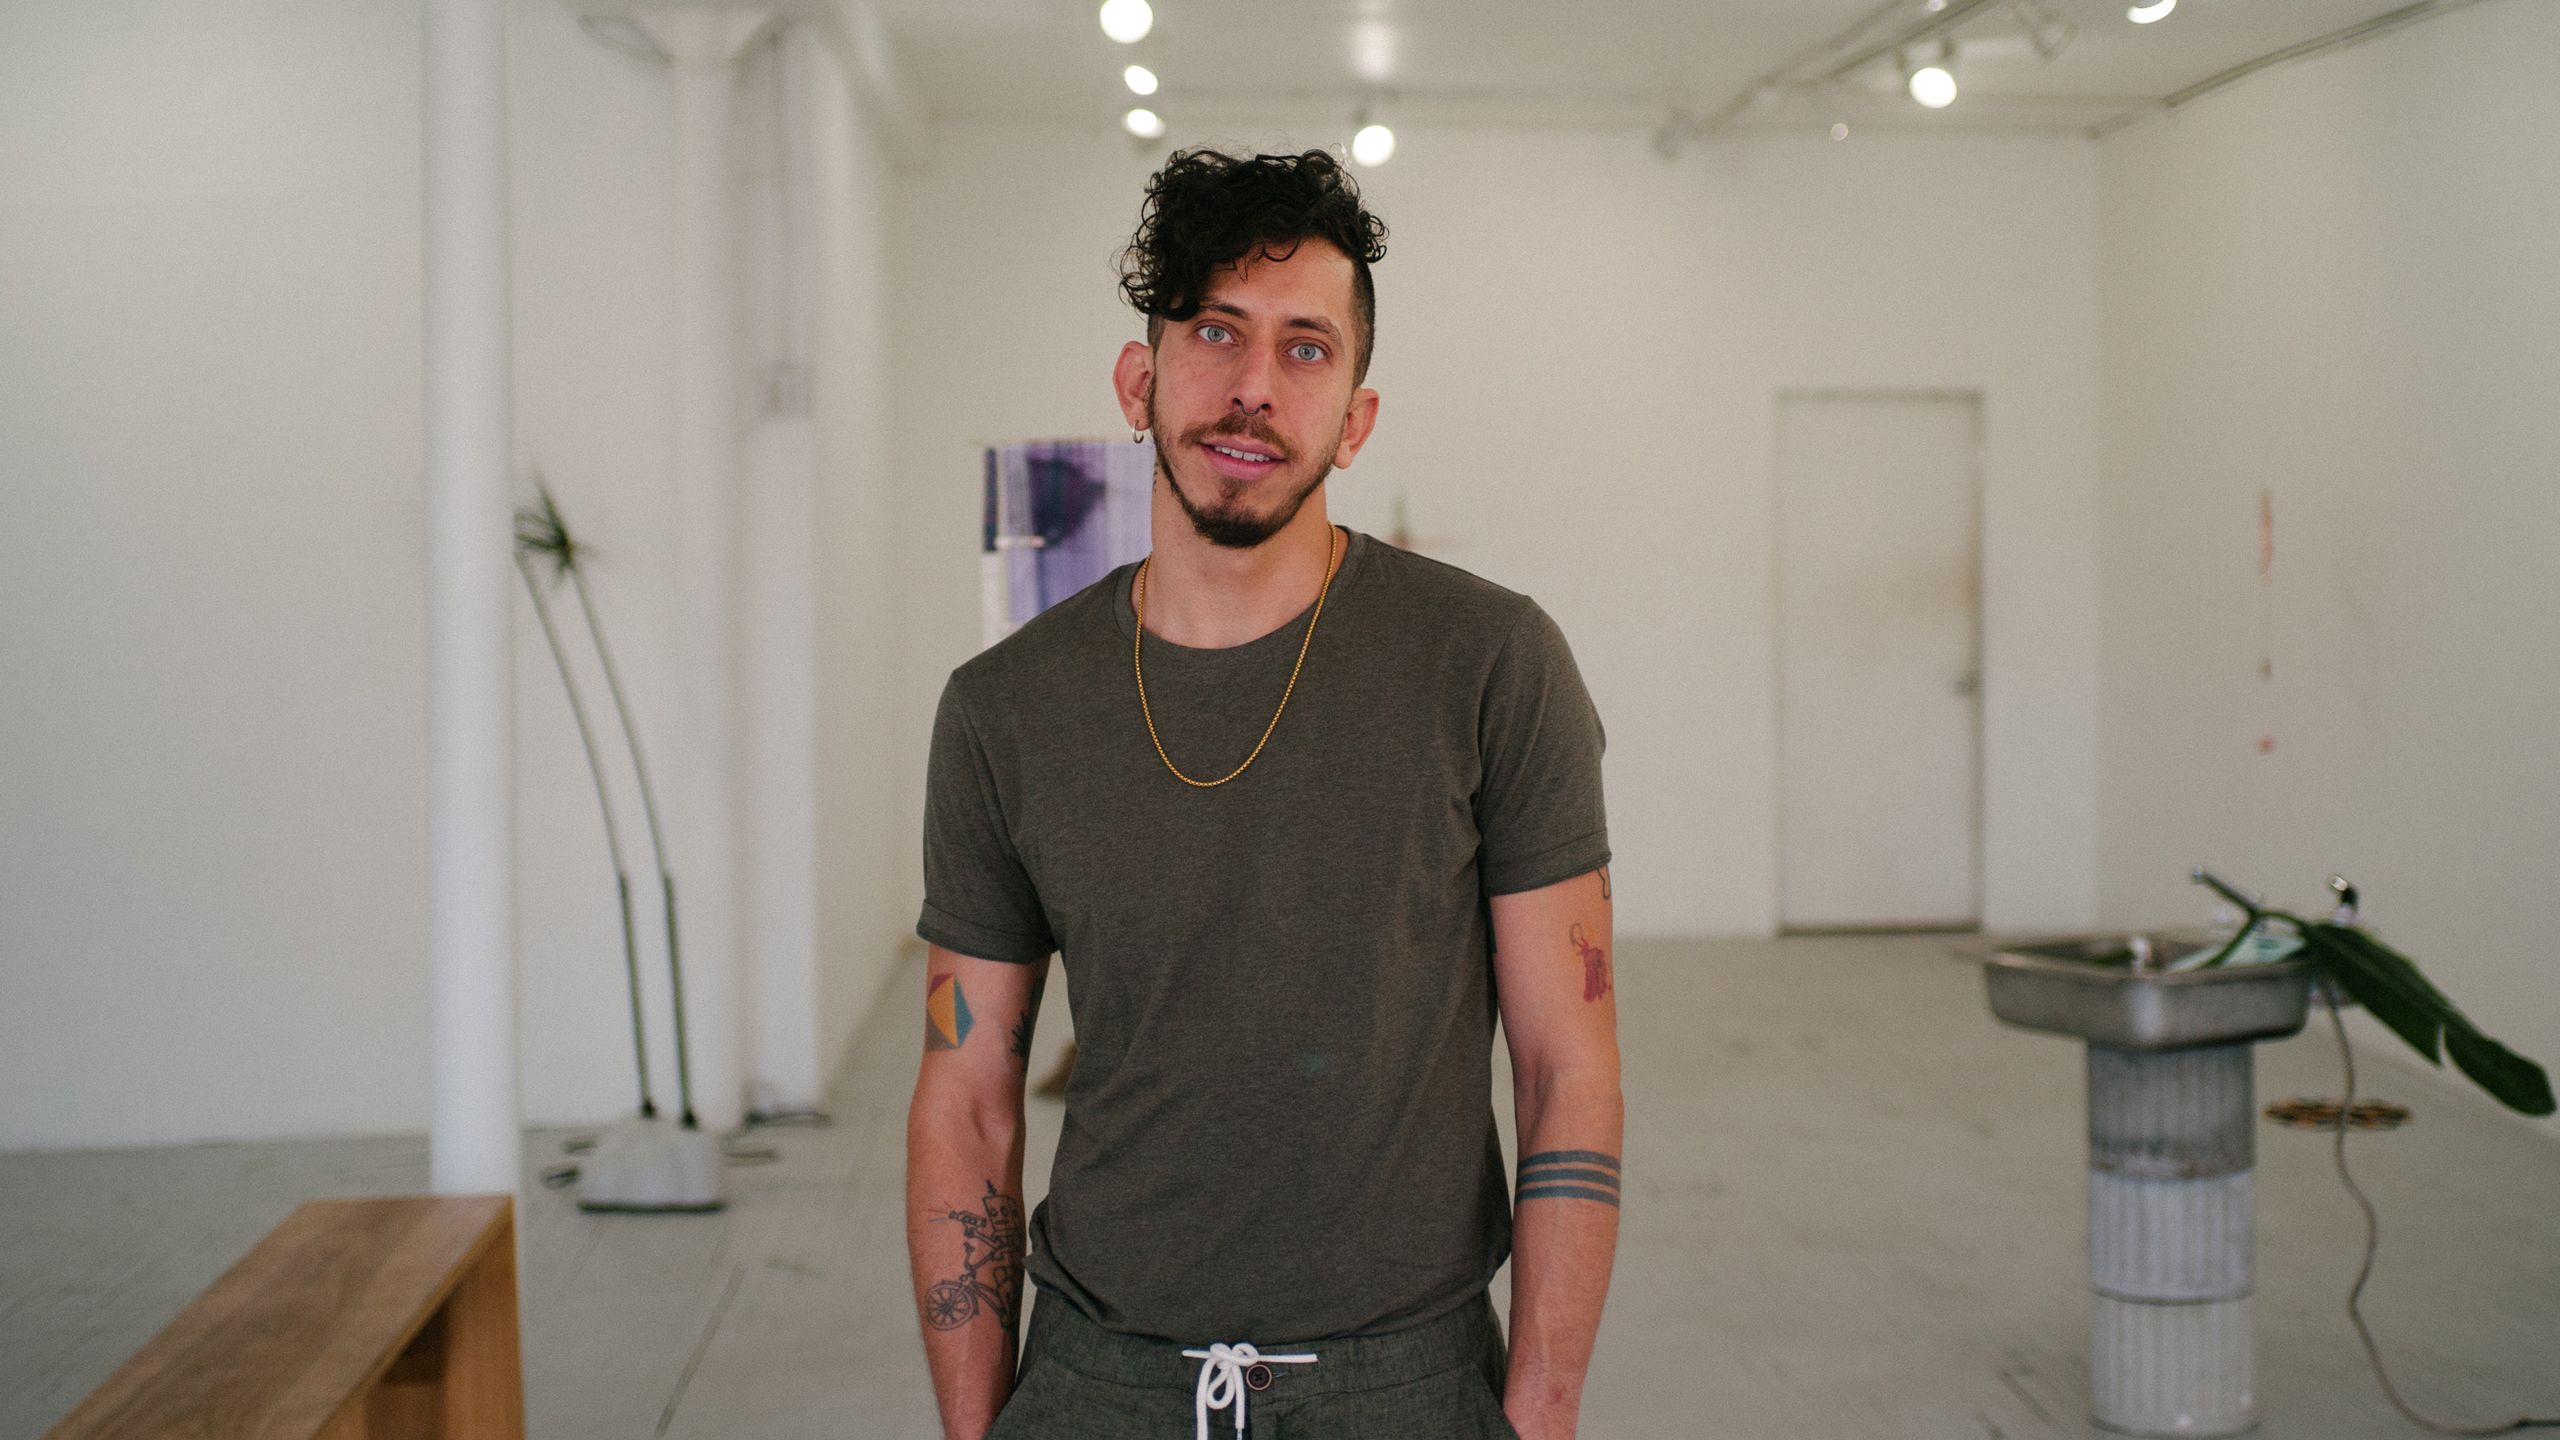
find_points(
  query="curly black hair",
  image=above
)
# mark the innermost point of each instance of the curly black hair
(1206, 209)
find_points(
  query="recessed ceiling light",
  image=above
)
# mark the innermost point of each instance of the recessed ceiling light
(1142, 81)
(2145, 14)
(1145, 124)
(1933, 86)
(1127, 21)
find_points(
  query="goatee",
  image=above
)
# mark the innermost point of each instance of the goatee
(1226, 521)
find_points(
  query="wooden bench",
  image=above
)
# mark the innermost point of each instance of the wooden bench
(390, 1319)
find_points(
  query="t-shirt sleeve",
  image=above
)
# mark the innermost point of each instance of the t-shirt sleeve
(978, 899)
(1538, 809)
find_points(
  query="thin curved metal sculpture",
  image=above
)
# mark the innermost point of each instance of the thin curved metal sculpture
(542, 535)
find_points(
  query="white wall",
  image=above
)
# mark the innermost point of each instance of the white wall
(211, 805)
(2340, 283)
(212, 901)
(1579, 352)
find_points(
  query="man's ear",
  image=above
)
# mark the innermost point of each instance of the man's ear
(1131, 374)
(1356, 425)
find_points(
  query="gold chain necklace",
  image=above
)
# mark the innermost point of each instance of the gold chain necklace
(1332, 561)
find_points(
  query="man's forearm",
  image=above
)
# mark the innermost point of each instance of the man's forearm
(1564, 1239)
(965, 1248)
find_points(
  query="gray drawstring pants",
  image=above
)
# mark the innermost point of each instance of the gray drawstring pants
(1441, 1380)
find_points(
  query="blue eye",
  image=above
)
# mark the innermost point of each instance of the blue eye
(1307, 350)
(1214, 334)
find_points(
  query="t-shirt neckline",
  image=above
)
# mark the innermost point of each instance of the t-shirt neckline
(1285, 637)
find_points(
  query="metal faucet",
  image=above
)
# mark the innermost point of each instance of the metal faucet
(2202, 876)
(2344, 913)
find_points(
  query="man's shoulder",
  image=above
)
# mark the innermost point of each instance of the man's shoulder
(1456, 598)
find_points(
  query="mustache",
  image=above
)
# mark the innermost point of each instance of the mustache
(1240, 427)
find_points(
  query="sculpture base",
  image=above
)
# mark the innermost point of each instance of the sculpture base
(653, 1165)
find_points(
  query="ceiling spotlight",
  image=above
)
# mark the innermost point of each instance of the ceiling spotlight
(1840, 131)
(2145, 14)
(1933, 84)
(1373, 145)
(1142, 81)
(1145, 124)
(1127, 21)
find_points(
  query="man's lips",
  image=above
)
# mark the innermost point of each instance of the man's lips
(1239, 459)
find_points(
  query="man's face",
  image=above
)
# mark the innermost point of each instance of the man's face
(1251, 400)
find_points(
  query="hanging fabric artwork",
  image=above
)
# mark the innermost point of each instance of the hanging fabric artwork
(1060, 514)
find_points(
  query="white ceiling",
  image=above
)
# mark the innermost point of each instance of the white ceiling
(1595, 62)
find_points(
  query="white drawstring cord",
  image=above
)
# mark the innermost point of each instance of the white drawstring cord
(1222, 1380)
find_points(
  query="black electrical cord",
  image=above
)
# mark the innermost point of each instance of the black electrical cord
(2372, 1241)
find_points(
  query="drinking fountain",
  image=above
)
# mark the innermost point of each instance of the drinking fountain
(2172, 1147)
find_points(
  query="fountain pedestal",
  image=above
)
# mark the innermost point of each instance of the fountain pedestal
(2172, 1146)
(2172, 1346)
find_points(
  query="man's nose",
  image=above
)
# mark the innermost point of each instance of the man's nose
(1253, 384)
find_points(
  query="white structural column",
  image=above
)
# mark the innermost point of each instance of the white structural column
(778, 983)
(473, 1141)
(704, 45)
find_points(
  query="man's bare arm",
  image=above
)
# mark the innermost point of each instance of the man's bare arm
(964, 1179)
(1559, 1012)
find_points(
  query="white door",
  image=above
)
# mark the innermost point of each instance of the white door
(1879, 644)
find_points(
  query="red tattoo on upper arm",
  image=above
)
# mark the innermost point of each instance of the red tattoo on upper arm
(1595, 965)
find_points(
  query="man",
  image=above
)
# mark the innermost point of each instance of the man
(1299, 811)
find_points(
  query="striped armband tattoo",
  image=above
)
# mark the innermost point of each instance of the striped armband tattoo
(1569, 1175)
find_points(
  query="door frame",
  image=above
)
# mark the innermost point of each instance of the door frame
(1974, 470)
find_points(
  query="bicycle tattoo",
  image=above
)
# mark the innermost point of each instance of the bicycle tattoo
(990, 1262)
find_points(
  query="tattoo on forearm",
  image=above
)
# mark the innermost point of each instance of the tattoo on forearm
(1569, 1175)
(1595, 965)
(1019, 1042)
(946, 1013)
(990, 1278)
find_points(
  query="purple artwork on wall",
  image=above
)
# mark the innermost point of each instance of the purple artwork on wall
(1059, 515)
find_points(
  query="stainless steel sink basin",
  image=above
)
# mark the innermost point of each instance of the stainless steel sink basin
(2069, 987)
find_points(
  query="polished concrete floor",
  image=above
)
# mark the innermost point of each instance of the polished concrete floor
(1854, 1209)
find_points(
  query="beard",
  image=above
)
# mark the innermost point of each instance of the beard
(1222, 516)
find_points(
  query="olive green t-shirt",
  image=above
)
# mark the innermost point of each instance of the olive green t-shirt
(1280, 1124)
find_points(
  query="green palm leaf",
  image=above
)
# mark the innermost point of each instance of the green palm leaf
(2518, 1083)
(2390, 985)
(2384, 983)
